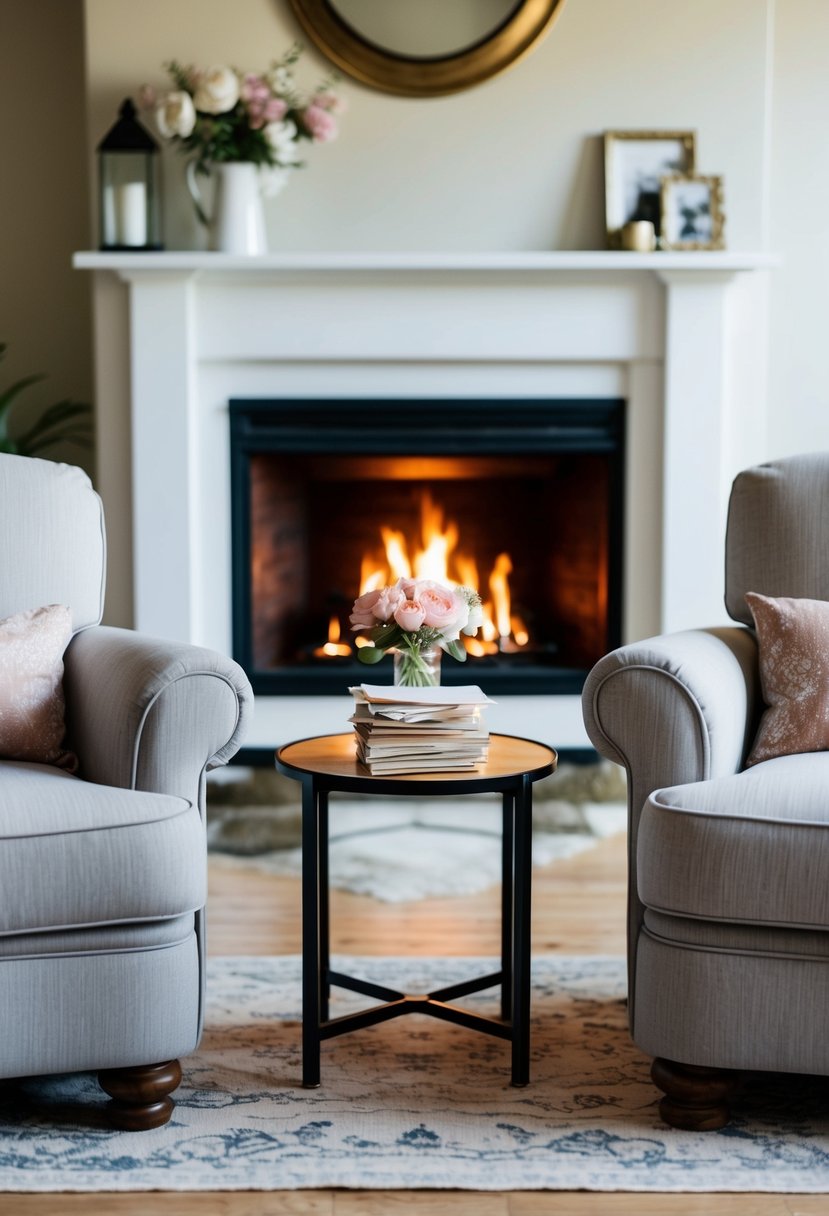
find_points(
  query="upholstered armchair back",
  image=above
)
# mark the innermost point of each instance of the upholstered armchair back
(52, 543)
(777, 542)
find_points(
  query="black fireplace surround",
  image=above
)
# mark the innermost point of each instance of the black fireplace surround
(312, 480)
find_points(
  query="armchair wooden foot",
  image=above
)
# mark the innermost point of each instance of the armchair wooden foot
(696, 1099)
(140, 1096)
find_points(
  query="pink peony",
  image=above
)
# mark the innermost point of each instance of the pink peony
(409, 615)
(319, 123)
(443, 609)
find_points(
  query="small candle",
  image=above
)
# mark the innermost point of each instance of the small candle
(639, 235)
(131, 213)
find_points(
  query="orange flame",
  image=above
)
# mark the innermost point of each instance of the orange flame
(333, 647)
(438, 557)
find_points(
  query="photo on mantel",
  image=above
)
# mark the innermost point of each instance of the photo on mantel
(635, 162)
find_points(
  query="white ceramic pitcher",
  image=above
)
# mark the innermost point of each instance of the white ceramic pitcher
(236, 219)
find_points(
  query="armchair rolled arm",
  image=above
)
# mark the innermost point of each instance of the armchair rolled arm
(677, 708)
(147, 714)
(672, 709)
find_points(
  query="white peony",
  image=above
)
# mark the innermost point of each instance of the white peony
(176, 115)
(282, 138)
(217, 91)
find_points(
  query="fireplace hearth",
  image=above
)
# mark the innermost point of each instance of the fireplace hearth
(522, 499)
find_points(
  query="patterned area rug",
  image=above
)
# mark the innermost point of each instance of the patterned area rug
(414, 1103)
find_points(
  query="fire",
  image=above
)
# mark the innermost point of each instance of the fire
(333, 648)
(438, 557)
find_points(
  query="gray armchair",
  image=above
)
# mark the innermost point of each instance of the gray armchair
(103, 873)
(728, 910)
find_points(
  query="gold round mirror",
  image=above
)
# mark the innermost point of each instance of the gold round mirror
(425, 48)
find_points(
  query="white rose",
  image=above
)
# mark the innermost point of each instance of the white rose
(282, 138)
(280, 80)
(217, 91)
(176, 115)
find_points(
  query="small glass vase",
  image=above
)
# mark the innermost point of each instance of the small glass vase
(417, 668)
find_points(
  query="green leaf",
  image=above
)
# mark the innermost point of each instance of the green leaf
(456, 650)
(15, 390)
(370, 654)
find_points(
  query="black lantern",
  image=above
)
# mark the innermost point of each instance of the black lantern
(128, 176)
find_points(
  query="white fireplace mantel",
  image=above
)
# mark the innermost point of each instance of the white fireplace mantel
(680, 336)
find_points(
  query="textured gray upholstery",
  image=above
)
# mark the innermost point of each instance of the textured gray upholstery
(728, 930)
(778, 533)
(103, 874)
(52, 548)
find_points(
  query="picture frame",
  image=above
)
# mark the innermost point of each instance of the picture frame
(634, 164)
(691, 211)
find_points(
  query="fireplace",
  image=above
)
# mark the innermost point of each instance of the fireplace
(522, 499)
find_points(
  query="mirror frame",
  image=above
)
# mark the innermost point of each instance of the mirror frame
(425, 77)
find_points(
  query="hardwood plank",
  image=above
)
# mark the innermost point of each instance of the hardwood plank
(578, 908)
(434, 1203)
(587, 1203)
(173, 1203)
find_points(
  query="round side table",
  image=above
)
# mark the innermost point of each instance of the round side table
(329, 764)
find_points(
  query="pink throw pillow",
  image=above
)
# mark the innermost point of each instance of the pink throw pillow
(793, 640)
(31, 685)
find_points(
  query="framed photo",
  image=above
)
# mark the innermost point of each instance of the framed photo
(634, 164)
(691, 212)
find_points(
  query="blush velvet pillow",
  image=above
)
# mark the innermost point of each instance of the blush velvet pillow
(31, 685)
(793, 641)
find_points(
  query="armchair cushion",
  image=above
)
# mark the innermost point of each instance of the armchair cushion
(793, 639)
(31, 685)
(752, 848)
(76, 854)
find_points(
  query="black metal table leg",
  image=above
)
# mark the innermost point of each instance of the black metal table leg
(324, 909)
(521, 939)
(507, 894)
(327, 764)
(311, 978)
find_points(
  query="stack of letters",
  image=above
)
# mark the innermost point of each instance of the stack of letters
(419, 730)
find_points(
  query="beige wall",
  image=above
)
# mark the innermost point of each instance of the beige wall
(512, 164)
(516, 162)
(44, 205)
(799, 360)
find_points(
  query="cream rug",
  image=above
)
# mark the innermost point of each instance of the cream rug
(414, 1103)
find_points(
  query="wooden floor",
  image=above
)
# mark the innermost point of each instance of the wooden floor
(578, 908)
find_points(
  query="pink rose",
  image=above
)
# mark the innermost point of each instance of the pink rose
(409, 615)
(319, 123)
(362, 616)
(443, 608)
(275, 109)
(388, 601)
(254, 88)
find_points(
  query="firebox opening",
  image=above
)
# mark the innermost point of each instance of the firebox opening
(537, 532)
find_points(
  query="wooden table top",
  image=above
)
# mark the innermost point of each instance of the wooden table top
(334, 756)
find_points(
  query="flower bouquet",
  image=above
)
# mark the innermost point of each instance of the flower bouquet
(416, 618)
(218, 115)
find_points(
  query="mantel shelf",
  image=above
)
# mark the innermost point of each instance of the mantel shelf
(129, 265)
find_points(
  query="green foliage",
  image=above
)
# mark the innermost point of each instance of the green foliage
(66, 421)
